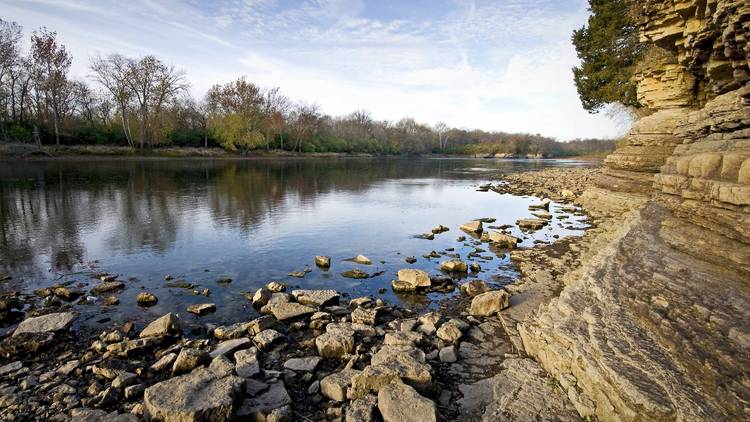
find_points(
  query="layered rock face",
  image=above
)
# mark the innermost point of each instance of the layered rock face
(656, 325)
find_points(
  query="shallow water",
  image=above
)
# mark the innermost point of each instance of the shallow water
(249, 220)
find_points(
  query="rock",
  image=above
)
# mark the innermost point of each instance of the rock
(474, 226)
(448, 354)
(107, 286)
(531, 223)
(489, 303)
(266, 338)
(124, 379)
(542, 214)
(166, 325)
(254, 387)
(402, 338)
(544, 205)
(285, 311)
(365, 316)
(323, 261)
(316, 297)
(201, 309)
(46, 323)
(567, 194)
(407, 361)
(440, 229)
(362, 409)
(372, 379)
(224, 280)
(275, 287)
(298, 274)
(474, 267)
(314, 387)
(229, 346)
(188, 359)
(410, 259)
(454, 265)
(399, 402)
(273, 405)
(233, 331)
(134, 391)
(361, 259)
(306, 364)
(389, 353)
(164, 362)
(334, 344)
(414, 278)
(246, 362)
(221, 365)
(146, 299)
(452, 330)
(261, 296)
(66, 293)
(200, 395)
(262, 323)
(399, 286)
(474, 288)
(360, 301)
(11, 367)
(334, 386)
(356, 274)
(500, 239)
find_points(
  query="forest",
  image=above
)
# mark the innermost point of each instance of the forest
(144, 103)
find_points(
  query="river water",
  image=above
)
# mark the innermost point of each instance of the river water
(249, 220)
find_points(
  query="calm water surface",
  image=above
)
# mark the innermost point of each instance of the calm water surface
(253, 221)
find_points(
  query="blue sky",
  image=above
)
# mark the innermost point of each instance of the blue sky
(493, 65)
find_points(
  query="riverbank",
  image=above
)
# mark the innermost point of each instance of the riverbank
(346, 351)
(14, 151)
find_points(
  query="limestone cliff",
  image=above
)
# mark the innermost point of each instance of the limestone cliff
(656, 324)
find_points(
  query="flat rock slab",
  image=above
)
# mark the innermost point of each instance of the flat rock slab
(284, 311)
(46, 323)
(398, 402)
(229, 346)
(316, 297)
(520, 392)
(258, 407)
(202, 395)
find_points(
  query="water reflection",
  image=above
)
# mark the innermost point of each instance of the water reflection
(251, 220)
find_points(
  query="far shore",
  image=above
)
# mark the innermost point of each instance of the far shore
(15, 151)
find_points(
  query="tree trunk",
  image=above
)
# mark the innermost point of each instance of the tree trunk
(37, 138)
(57, 130)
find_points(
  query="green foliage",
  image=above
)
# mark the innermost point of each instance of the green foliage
(609, 49)
(234, 133)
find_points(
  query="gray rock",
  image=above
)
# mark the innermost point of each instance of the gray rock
(11, 367)
(261, 296)
(402, 338)
(233, 331)
(124, 379)
(230, 346)
(448, 354)
(306, 364)
(261, 407)
(201, 395)
(362, 409)
(188, 359)
(134, 391)
(262, 323)
(107, 286)
(266, 338)
(201, 309)
(46, 323)
(284, 311)
(246, 362)
(164, 362)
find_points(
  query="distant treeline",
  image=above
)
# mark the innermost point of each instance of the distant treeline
(144, 103)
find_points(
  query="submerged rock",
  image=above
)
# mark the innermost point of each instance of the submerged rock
(201, 309)
(107, 286)
(474, 226)
(323, 261)
(356, 274)
(531, 223)
(500, 239)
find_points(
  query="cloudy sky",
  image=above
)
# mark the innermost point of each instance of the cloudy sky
(494, 65)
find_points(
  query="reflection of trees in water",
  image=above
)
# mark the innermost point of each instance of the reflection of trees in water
(45, 206)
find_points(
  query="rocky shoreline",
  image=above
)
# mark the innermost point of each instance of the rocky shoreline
(313, 354)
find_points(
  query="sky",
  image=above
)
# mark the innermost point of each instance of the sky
(493, 65)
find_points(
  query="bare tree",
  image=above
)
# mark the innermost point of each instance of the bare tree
(275, 107)
(442, 132)
(306, 118)
(51, 64)
(112, 73)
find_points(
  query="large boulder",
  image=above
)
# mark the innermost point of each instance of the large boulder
(46, 323)
(399, 402)
(489, 303)
(202, 395)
